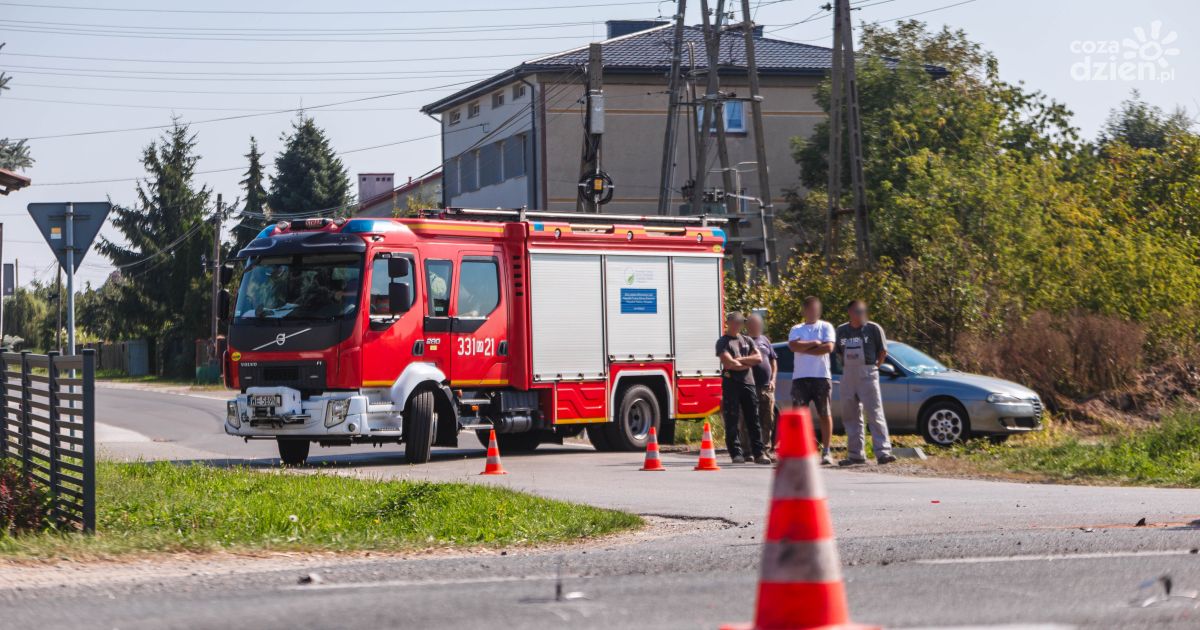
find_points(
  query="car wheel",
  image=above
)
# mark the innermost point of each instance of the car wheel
(525, 442)
(944, 423)
(293, 452)
(420, 425)
(638, 411)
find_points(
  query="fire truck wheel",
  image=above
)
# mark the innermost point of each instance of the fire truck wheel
(293, 452)
(420, 425)
(637, 413)
(512, 442)
(598, 436)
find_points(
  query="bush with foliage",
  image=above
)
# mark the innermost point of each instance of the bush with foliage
(24, 504)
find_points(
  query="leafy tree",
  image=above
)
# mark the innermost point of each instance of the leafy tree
(168, 234)
(14, 154)
(30, 315)
(1143, 126)
(308, 175)
(254, 210)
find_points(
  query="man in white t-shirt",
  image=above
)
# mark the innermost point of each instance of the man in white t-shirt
(811, 343)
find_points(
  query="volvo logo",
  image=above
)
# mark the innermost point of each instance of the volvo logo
(282, 338)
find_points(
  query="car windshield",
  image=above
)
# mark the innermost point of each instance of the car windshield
(914, 360)
(323, 286)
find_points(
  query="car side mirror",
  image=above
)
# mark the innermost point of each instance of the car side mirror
(888, 369)
(223, 305)
(399, 268)
(399, 297)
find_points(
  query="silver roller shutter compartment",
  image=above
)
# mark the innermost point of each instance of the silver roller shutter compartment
(567, 316)
(697, 300)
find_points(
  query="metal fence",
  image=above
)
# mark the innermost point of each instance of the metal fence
(48, 426)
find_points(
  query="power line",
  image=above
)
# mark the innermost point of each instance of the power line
(339, 12)
(124, 35)
(334, 73)
(487, 28)
(532, 55)
(444, 74)
(90, 88)
(874, 23)
(237, 116)
(198, 107)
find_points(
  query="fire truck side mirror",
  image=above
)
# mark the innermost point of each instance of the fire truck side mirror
(399, 297)
(225, 274)
(223, 304)
(399, 268)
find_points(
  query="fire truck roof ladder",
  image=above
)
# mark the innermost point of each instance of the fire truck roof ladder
(520, 214)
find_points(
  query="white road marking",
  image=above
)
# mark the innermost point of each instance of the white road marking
(107, 433)
(406, 583)
(1052, 557)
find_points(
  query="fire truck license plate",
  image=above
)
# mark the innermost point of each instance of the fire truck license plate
(266, 400)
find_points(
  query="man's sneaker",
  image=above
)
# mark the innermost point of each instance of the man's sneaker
(827, 460)
(763, 459)
(738, 459)
(850, 461)
(886, 458)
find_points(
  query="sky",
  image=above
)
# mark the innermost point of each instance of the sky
(234, 68)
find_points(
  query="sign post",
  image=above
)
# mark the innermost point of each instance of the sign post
(69, 228)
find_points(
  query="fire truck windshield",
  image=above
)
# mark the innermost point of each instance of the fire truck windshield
(315, 286)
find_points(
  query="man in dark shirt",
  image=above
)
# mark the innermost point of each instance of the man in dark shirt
(738, 354)
(764, 382)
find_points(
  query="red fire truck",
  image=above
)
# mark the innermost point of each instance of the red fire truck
(539, 325)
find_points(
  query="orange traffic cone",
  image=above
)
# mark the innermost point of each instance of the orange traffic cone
(652, 461)
(800, 584)
(708, 457)
(493, 466)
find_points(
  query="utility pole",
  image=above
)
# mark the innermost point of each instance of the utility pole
(216, 274)
(760, 146)
(845, 85)
(58, 320)
(669, 138)
(714, 116)
(592, 182)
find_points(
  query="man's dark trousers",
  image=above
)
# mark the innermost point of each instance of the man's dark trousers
(740, 402)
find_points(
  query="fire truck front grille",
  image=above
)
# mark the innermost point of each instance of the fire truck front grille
(302, 375)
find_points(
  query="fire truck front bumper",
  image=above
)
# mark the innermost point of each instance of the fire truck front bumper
(269, 412)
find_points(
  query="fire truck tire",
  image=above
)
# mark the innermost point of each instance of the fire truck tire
(638, 411)
(598, 436)
(293, 452)
(420, 425)
(525, 442)
(666, 431)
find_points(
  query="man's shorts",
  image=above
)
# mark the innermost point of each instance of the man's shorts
(812, 390)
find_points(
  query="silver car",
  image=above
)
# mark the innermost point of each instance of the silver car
(922, 396)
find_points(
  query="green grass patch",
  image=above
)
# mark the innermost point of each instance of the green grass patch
(692, 431)
(117, 376)
(1167, 454)
(164, 507)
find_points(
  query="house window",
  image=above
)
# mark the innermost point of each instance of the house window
(455, 117)
(489, 165)
(735, 117)
(519, 91)
(514, 156)
(473, 109)
(468, 175)
(451, 178)
(498, 100)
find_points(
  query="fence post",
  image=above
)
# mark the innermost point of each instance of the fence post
(89, 441)
(55, 451)
(3, 403)
(26, 448)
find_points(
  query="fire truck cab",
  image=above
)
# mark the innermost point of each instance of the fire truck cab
(539, 325)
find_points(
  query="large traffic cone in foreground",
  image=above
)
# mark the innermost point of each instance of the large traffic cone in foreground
(708, 456)
(800, 581)
(652, 461)
(493, 467)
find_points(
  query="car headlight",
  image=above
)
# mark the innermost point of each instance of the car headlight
(1003, 398)
(335, 411)
(231, 414)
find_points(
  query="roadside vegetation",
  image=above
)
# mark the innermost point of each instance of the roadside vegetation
(162, 507)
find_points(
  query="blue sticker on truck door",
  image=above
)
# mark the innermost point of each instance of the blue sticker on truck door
(639, 300)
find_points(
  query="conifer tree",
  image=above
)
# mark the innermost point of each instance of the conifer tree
(309, 177)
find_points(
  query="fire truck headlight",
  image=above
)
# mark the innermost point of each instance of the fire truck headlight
(231, 414)
(335, 412)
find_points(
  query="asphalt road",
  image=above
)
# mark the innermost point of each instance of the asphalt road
(917, 552)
